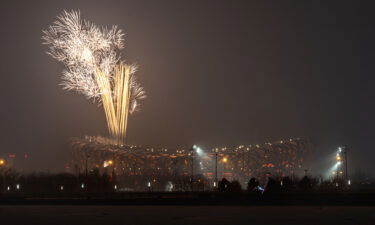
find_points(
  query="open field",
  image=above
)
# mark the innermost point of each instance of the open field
(137, 215)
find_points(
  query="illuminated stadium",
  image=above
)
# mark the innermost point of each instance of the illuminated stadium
(136, 166)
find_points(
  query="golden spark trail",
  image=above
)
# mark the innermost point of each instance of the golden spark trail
(116, 102)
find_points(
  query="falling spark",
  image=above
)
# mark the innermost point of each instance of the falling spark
(94, 67)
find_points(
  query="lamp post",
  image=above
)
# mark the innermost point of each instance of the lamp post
(2, 165)
(86, 162)
(216, 168)
(224, 160)
(346, 162)
(339, 160)
(192, 166)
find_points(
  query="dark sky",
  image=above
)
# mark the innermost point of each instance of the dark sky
(216, 73)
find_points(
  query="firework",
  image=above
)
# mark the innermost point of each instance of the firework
(94, 67)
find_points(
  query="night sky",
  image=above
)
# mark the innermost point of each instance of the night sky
(216, 73)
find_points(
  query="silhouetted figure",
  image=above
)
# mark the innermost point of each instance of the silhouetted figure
(305, 184)
(253, 183)
(273, 186)
(234, 187)
(286, 184)
(223, 185)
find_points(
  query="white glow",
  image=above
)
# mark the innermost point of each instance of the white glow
(17, 186)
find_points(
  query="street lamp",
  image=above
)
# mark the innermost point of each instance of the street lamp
(224, 160)
(2, 165)
(215, 182)
(149, 186)
(107, 163)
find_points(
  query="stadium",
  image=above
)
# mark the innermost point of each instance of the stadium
(142, 167)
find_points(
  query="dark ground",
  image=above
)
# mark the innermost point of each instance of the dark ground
(189, 215)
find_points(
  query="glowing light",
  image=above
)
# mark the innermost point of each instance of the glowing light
(2, 162)
(340, 149)
(199, 151)
(61, 188)
(94, 67)
(82, 186)
(349, 182)
(17, 186)
(149, 184)
(107, 163)
(225, 160)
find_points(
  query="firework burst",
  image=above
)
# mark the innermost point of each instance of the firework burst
(94, 67)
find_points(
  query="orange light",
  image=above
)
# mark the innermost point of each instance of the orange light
(107, 163)
(225, 159)
(2, 162)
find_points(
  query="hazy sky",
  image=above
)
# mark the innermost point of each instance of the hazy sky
(215, 72)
